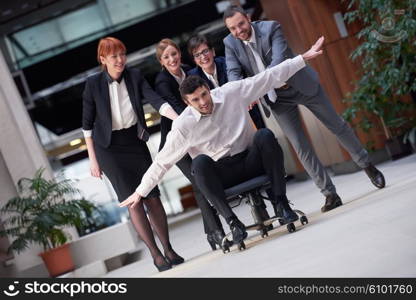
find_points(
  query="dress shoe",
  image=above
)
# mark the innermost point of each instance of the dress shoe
(163, 267)
(277, 211)
(264, 215)
(238, 231)
(375, 176)
(332, 201)
(286, 213)
(215, 238)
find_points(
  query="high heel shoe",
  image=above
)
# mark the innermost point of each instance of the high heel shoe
(163, 267)
(177, 260)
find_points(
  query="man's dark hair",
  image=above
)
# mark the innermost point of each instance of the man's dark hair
(196, 41)
(191, 84)
(231, 10)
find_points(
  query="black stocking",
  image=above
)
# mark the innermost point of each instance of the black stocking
(158, 219)
(141, 224)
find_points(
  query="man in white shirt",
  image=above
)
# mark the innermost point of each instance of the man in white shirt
(226, 150)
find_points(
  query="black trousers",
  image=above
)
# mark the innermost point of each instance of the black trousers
(209, 214)
(264, 157)
(124, 162)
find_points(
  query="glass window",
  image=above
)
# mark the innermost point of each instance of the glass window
(40, 37)
(124, 10)
(81, 23)
(72, 29)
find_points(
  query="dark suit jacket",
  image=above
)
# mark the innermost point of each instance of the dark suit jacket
(96, 110)
(221, 72)
(168, 88)
(274, 50)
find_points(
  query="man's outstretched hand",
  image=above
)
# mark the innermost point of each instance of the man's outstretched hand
(315, 50)
(131, 201)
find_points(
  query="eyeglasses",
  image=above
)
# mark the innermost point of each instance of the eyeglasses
(203, 52)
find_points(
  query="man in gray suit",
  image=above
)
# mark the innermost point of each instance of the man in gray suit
(252, 47)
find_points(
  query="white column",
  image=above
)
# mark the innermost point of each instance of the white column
(22, 154)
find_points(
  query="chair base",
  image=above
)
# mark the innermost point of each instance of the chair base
(252, 191)
(262, 228)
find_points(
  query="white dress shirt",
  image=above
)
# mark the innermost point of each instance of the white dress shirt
(122, 113)
(259, 62)
(226, 131)
(214, 77)
(179, 79)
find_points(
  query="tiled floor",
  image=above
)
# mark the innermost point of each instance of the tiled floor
(372, 235)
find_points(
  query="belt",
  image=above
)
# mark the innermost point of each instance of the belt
(285, 87)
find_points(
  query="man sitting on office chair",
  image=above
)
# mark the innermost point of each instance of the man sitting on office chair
(226, 150)
(213, 70)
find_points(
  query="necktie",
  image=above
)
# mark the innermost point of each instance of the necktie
(253, 47)
(250, 48)
(254, 67)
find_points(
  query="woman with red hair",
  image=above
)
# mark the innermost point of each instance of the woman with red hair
(115, 133)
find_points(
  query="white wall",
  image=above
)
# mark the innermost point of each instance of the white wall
(21, 151)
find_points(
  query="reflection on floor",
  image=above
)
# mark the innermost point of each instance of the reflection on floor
(371, 235)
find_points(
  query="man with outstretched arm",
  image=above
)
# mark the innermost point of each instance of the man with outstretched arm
(226, 150)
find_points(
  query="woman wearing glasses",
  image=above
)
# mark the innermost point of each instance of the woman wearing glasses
(214, 70)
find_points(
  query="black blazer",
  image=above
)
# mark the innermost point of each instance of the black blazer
(167, 87)
(221, 72)
(96, 110)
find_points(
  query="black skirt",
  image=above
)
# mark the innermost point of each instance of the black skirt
(124, 162)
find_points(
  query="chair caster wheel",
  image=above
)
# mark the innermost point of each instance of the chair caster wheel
(241, 246)
(281, 222)
(264, 233)
(304, 220)
(291, 227)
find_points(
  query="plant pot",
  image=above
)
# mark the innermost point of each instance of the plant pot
(58, 260)
(396, 148)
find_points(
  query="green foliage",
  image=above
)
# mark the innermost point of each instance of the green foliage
(41, 212)
(387, 55)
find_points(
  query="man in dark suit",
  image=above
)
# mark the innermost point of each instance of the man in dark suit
(254, 46)
(213, 69)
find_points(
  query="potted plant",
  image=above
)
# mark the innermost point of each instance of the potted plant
(387, 56)
(39, 215)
